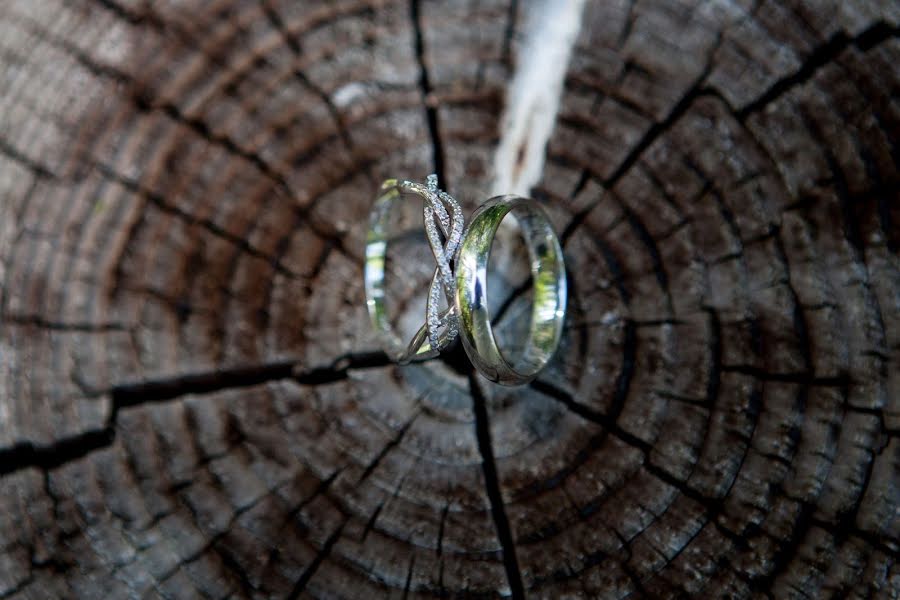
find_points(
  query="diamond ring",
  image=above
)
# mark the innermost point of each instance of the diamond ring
(441, 212)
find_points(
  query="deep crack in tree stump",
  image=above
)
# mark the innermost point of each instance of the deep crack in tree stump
(192, 403)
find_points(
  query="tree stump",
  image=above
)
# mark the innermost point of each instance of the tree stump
(192, 403)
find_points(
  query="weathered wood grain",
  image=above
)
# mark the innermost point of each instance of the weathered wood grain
(192, 403)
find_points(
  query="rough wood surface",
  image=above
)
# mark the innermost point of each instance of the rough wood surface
(191, 401)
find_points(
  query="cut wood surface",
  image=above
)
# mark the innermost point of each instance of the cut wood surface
(192, 402)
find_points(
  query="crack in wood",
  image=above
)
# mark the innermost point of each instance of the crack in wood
(42, 323)
(206, 223)
(494, 493)
(409, 572)
(440, 535)
(40, 171)
(818, 58)
(222, 551)
(316, 563)
(654, 132)
(633, 576)
(294, 45)
(431, 112)
(26, 454)
(370, 524)
(392, 443)
(659, 268)
(803, 377)
(130, 16)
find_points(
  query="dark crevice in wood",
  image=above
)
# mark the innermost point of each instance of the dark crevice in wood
(852, 234)
(659, 268)
(160, 390)
(633, 576)
(316, 563)
(340, 368)
(605, 420)
(17, 590)
(25, 454)
(41, 323)
(441, 589)
(882, 194)
(626, 372)
(393, 443)
(641, 323)
(214, 544)
(202, 129)
(294, 45)
(802, 377)
(629, 24)
(725, 258)
(646, 140)
(616, 270)
(852, 231)
(146, 17)
(235, 568)
(39, 170)
(431, 113)
(321, 488)
(699, 402)
(492, 485)
(885, 544)
(714, 371)
(440, 537)
(788, 550)
(845, 522)
(409, 572)
(370, 524)
(695, 91)
(798, 316)
(582, 182)
(818, 58)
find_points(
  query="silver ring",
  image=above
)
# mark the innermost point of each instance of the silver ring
(440, 211)
(465, 288)
(548, 274)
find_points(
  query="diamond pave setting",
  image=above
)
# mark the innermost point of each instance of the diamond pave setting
(442, 215)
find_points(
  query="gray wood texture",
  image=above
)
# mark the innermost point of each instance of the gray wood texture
(191, 401)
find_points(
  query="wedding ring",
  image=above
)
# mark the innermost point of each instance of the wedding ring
(441, 212)
(460, 275)
(548, 278)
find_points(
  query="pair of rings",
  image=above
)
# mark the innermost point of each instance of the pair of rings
(461, 255)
